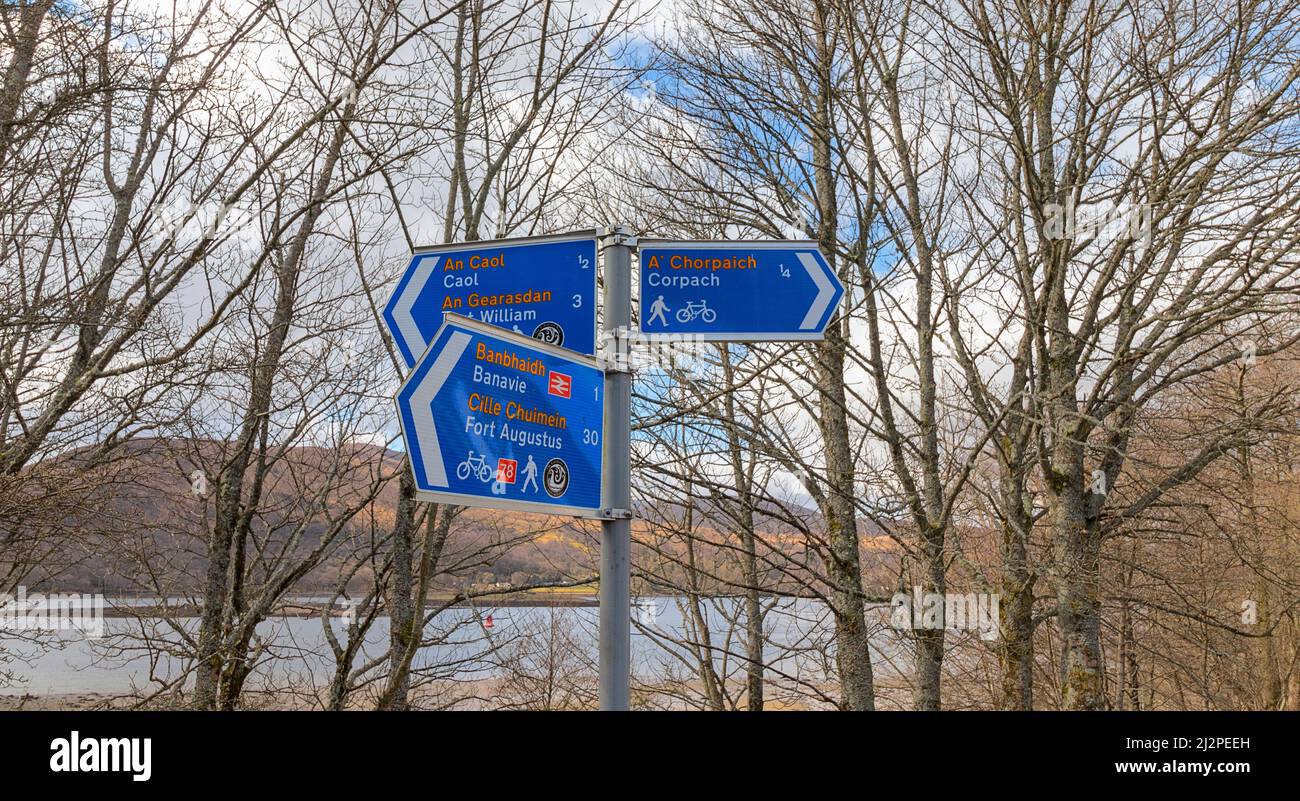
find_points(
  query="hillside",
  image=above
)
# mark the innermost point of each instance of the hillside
(152, 506)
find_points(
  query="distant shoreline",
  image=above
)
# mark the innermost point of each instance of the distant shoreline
(125, 605)
(305, 609)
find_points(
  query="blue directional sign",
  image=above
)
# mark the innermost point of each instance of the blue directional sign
(736, 291)
(542, 287)
(491, 418)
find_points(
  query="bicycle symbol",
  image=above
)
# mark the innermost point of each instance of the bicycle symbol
(694, 309)
(475, 465)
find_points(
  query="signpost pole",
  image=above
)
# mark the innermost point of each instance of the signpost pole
(616, 532)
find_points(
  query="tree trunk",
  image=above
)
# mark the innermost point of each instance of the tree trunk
(437, 526)
(852, 655)
(230, 493)
(20, 68)
(930, 641)
(748, 544)
(1078, 597)
(401, 611)
(852, 652)
(1016, 586)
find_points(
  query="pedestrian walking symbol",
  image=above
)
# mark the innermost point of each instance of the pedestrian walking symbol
(657, 309)
(530, 474)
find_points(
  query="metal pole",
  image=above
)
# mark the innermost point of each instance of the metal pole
(616, 533)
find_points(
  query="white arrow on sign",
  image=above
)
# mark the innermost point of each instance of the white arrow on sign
(825, 291)
(422, 407)
(406, 302)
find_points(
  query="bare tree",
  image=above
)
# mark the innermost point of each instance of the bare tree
(1203, 172)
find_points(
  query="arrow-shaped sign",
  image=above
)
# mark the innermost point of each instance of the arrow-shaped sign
(422, 398)
(492, 418)
(542, 287)
(400, 314)
(736, 291)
